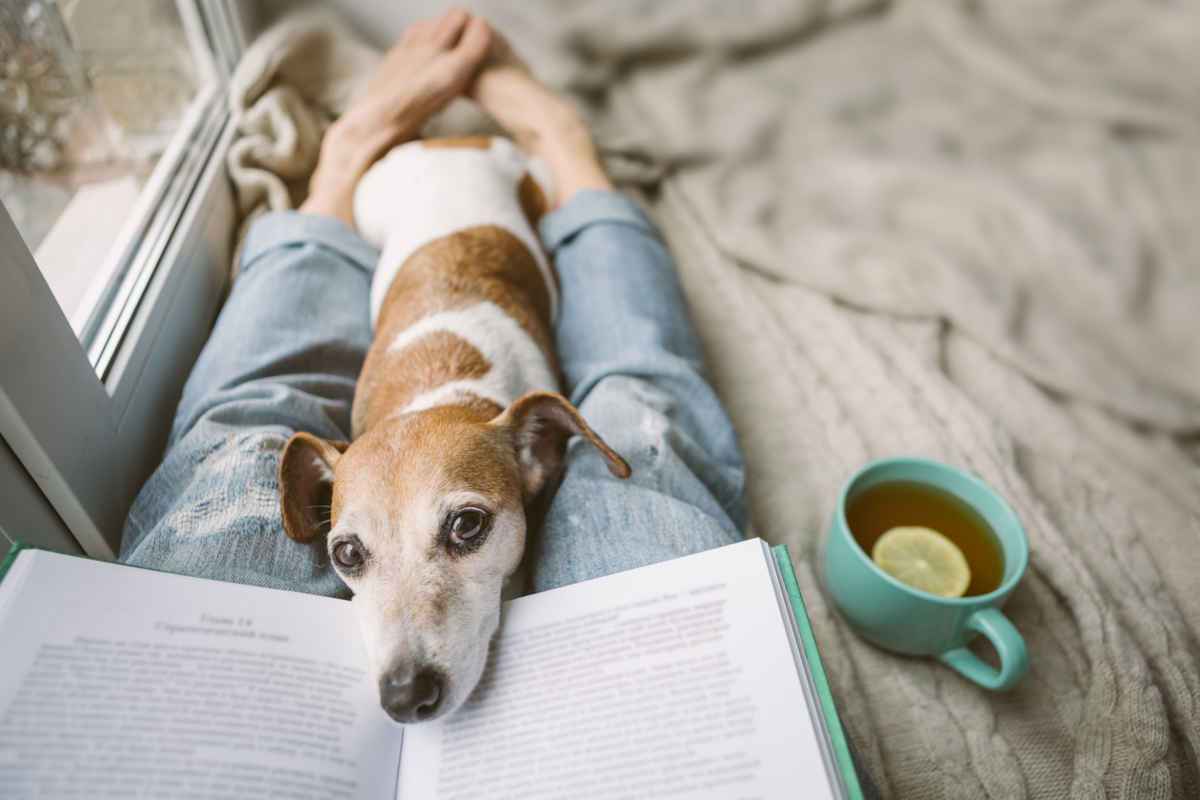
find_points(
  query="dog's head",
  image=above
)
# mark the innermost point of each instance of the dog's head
(425, 517)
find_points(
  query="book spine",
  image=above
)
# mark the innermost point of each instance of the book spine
(833, 723)
(10, 557)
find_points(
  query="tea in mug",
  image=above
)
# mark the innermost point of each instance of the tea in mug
(875, 510)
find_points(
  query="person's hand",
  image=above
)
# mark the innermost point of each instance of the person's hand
(542, 122)
(434, 61)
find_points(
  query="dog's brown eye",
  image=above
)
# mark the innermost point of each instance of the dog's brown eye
(466, 524)
(348, 555)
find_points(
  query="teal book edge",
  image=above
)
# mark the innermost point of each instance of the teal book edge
(841, 747)
(10, 557)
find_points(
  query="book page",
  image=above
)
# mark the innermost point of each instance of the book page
(123, 682)
(675, 680)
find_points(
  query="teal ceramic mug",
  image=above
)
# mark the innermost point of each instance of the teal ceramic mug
(906, 620)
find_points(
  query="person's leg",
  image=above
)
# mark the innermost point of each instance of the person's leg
(284, 356)
(634, 368)
(294, 322)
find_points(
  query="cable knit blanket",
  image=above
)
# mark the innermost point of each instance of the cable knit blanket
(966, 230)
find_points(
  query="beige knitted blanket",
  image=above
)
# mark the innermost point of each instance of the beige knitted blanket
(965, 230)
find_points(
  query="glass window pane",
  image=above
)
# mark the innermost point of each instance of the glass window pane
(92, 94)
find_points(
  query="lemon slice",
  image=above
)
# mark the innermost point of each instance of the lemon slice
(923, 559)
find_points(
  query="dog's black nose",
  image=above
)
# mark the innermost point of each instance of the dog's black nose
(409, 697)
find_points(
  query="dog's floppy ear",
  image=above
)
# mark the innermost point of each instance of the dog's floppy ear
(541, 423)
(306, 484)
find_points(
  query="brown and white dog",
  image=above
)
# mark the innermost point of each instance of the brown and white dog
(457, 430)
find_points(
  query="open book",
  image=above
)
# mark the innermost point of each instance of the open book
(694, 678)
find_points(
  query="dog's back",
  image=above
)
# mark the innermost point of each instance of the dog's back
(459, 438)
(463, 297)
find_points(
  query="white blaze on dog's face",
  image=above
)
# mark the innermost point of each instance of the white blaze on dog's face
(427, 520)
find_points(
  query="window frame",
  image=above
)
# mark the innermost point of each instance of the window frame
(86, 427)
(158, 212)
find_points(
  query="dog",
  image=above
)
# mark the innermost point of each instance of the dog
(458, 432)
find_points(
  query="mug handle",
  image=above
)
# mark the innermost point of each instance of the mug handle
(1014, 660)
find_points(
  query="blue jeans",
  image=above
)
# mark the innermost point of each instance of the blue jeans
(287, 349)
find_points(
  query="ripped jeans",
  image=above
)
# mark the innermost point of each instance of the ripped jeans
(286, 351)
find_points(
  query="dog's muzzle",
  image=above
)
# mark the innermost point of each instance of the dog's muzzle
(411, 693)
